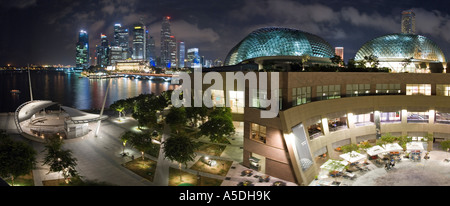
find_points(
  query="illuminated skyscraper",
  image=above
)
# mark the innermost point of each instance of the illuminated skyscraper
(121, 38)
(151, 53)
(193, 58)
(408, 22)
(103, 52)
(82, 50)
(139, 41)
(339, 52)
(173, 51)
(181, 54)
(168, 44)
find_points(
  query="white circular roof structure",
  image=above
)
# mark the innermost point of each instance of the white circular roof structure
(28, 109)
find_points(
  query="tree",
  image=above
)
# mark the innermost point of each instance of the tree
(141, 141)
(180, 148)
(176, 118)
(372, 60)
(219, 124)
(125, 138)
(119, 106)
(58, 159)
(406, 62)
(194, 114)
(445, 145)
(305, 59)
(336, 59)
(16, 158)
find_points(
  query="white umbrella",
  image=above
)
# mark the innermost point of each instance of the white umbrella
(414, 146)
(393, 147)
(334, 165)
(375, 150)
(352, 156)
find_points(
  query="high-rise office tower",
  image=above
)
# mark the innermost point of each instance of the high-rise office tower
(121, 38)
(408, 22)
(82, 50)
(151, 53)
(339, 51)
(139, 41)
(167, 43)
(181, 54)
(193, 58)
(116, 54)
(173, 52)
(103, 52)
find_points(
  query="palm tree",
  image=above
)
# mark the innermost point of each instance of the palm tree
(119, 106)
(304, 60)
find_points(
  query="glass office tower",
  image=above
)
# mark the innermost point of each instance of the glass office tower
(82, 50)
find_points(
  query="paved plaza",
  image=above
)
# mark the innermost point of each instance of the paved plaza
(99, 158)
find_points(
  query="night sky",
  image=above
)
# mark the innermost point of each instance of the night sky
(45, 31)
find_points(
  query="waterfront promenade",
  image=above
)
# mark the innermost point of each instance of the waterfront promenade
(99, 158)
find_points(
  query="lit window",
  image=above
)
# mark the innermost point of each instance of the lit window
(418, 89)
(258, 133)
(301, 95)
(443, 89)
(328, 92)
(354, 90)
(388, 89)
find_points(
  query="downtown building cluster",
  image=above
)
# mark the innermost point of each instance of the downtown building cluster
(142, 50)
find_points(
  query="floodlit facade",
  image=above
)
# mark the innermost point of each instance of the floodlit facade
(408, 22)
(132, 65)
(393, 49)
(82, 50)
(280, 43)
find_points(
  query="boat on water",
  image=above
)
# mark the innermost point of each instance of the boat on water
(15, 91)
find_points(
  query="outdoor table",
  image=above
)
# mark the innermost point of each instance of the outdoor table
(279, 183)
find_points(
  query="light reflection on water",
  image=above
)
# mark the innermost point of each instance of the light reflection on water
(70, 90)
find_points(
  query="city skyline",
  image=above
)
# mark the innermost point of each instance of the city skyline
(46, 32)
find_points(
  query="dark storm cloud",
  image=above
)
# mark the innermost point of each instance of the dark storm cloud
(45, 31)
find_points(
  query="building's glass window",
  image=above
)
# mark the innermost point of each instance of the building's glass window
(418, 89)
(328, 92)
(354, 90)
(257, 94)
(442, 117)
(336, 124)
(301, 95)
(443, 89)
(258, 133)
(388, 89)
(237, 101)
(418, 117)
(315, 130)
(218, 98)
(390, 117)
(364, 119)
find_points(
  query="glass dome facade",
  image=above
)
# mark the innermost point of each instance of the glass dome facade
(397, 47)
(274, 41)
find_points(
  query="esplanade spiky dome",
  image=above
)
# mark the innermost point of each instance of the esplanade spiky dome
(397, 47)
(275, 41)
